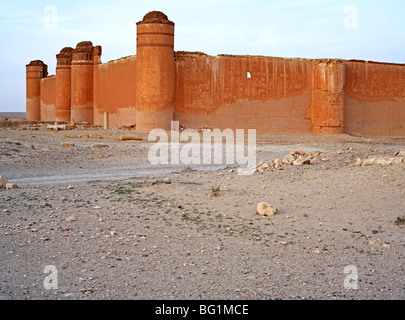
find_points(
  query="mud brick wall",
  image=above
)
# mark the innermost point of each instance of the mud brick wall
(375, 99)
(115, 92)
(272, 95)
(48, 98)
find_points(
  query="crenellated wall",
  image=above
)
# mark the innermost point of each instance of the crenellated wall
(269, 94)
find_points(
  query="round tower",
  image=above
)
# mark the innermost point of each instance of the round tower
(63, 84)
(155, 67)
(35, 71)
(82, 82)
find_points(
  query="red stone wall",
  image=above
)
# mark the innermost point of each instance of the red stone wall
(327, 109)
(375, 99)
(48, 99)
(272, 95)
(115, 92)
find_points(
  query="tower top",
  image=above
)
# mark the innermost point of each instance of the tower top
(156, 17)
(84, 45)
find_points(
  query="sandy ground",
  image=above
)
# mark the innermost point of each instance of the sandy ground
(116, 227)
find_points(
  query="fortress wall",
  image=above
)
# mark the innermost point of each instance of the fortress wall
(375, 99)
(115, 92)
(218, 92)
(327, 109)
(48, 98)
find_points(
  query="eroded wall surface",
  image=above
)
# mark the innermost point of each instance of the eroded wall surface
(272, 95)
(48, 98)
(374, 99)
(115, 92)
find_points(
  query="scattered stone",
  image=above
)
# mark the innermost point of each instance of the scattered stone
(400, 221)
(99, 145)
(70, 187)
(71, 219)
(301, 161)
(378, 242)
(129, 138)
(400, 153)
(3, 182)
(382, 161)
(265, 209)
(67, 145)
(358, 163)
(11, 186)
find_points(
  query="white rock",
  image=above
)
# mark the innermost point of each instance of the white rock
(369, 161)
(265, 209)
(3, 182)
(11, 186)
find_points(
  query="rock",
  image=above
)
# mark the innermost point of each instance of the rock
(375, 242)
(95, 136)
(3, 182)
(128, 138)
(99, 145)
(11, 186)
(400, 221)
(400, 153)
(265, 209)
(358, 163)
(67, 144)
(288, 159)
(71, 219)
(398, 160)
(384, 161)
(70, 187)
(299, 153)
(301, 161)
(369, 161)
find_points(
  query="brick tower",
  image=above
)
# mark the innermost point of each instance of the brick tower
(63, 84)
(155, 67)
(82, 82)
(35, 71)
(327, 110)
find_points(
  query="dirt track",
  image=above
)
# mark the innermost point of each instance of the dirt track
(127, 230)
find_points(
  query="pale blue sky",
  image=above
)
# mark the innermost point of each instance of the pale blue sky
(348, 29)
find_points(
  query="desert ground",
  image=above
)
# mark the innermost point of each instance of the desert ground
(114, 226)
